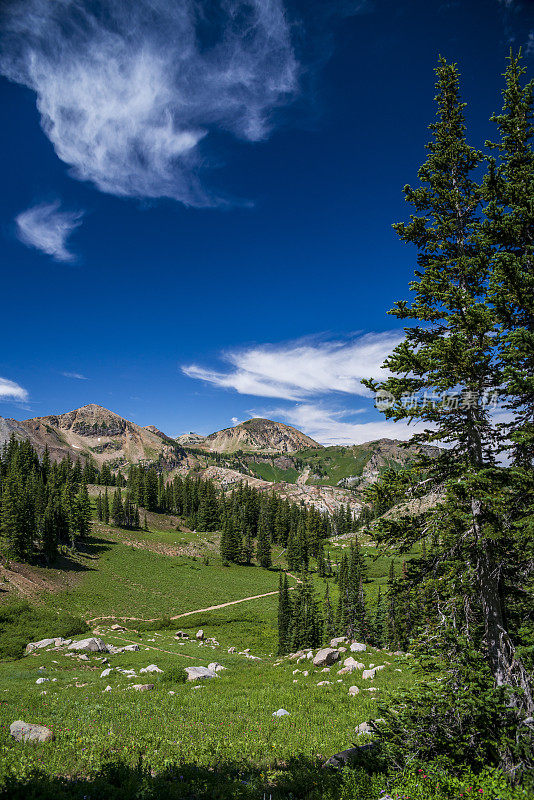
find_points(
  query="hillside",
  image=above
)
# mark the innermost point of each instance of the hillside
(254, 435)
(94, 431)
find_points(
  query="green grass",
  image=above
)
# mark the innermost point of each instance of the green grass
(269, 472)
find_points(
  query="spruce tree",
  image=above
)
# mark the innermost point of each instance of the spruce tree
(284, 615)
(452, 360)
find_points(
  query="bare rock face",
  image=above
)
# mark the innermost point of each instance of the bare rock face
(325, 657)
(27, 731)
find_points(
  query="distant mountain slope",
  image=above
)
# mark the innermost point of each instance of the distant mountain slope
(259, 435)
(96, 432)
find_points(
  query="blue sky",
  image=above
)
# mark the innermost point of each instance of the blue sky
(198, 197)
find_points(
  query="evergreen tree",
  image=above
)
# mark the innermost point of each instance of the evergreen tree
(284, 615)
(461, 347)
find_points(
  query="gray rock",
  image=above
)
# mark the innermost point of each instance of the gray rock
(93, 645)
(143, 687)
(55, 642)
(325, 657)
(337, 641)
(27, 731)
(42, 680)
(199, 634)
(129, 648)
(346, 757)
(368, 674)
(352, 664)
(198, 673)
(358, 647)
(151, 668)
(353, 691)
(215, 666)
(281, 713)
(106, 672)
(363, 727)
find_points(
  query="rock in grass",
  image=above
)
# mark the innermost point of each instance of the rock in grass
(325, 657)
(129, 648)
(323, 683)
(353, 690)
(27, 731)
(143, 687)
(368, 674)
(346, 757)
(352, 664)
(281, 713)
(107, 689)
(93, 645)
(215, 666)
(337, 641)
(199, 635)
(57, 641)
(199, 673)
(363, 727)
(357, 647)
(151, 668)
(106, 672)
(41, 680)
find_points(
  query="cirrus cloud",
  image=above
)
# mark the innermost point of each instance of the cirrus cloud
(9, 390)
(47, 228)
(128, 92)
(301, 369)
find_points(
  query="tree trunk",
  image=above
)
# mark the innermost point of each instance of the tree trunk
(508, 670)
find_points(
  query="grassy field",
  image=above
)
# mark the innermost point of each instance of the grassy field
(223, 727)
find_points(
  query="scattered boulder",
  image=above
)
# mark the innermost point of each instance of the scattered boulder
(200, 635)
(351, 664)
(143, 687)
(325, 669)
(117, 628)
(106, 672)
(215, 666)
(368, 674)
(231, 649)
(151, 668)
(107, 689)
(337, 641)
(325, 657)
(83, 657)
(129, 648)
(198, 673)
(93, 645)
(363, 727)
(323, 683)
(353, 690)
(281, 713)
(57, 641)
(27, 731)
(346, 757)
(42, 680)
(358, 647)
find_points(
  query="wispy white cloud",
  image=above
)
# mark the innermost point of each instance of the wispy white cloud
(9, 390)
(47, 228)
(75, 376)
(298, 370)
(332, 426)
(130, 92)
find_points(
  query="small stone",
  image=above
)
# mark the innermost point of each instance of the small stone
(41, 680)
(143, 687)
(357, 647)
(200, 634)
(281, 713)
(199, 673)
(353, 690)
(151, 668)
(106, 672)
(107, 689)
(323, 683)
